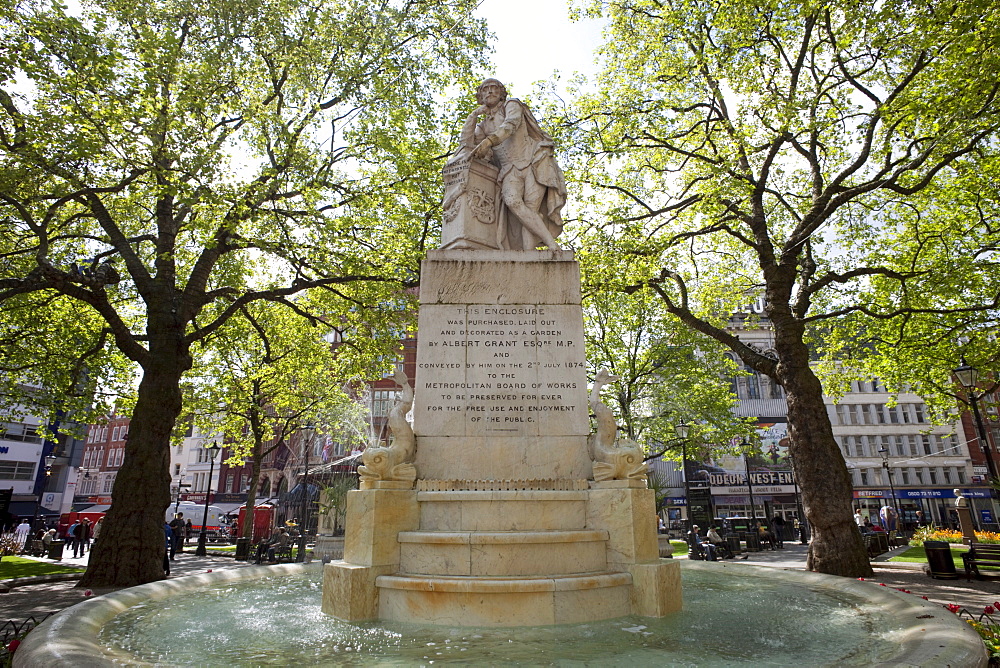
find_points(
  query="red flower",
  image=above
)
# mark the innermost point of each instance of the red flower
(882, 584)
(88, 593)
(953, 608)
(13, 645)
(925, 598)
(209, 570)
(862, 579)
(989, 610)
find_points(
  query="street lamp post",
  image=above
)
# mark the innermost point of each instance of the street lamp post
(888, 474)
(803, 530)
(180, 486)
(746, 462)
(304, 521)
(682, 432)
(49, 461)
(200, 551)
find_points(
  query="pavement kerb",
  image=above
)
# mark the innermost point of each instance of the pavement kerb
(7, 585)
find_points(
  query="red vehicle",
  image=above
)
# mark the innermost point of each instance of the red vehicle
(263, 522)
(66, 520)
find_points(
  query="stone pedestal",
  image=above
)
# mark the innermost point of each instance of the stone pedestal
(965, 523)
(506, 526)
(501, 387)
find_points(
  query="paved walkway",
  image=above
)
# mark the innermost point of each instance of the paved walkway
(973, 595)
(39, 598)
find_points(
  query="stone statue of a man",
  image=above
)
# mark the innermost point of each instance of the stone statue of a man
(533, 191)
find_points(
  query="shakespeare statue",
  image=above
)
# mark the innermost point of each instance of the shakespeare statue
(503, 188)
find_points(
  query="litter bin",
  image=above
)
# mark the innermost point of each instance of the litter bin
(940, 565)
(242, 549)
(56, 549)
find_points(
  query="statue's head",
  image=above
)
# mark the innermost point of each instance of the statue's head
(489, 85)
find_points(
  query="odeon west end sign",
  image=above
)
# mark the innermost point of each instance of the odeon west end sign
(764, 482)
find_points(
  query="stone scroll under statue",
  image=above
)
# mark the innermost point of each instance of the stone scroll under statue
(392, 466)
(621, 461)
(503, 187)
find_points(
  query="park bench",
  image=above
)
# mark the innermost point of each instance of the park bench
(980, 555)
(284, 554)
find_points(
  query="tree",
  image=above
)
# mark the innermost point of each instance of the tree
(165, 164)
(267, 373)
(744, 150)
(667, 374)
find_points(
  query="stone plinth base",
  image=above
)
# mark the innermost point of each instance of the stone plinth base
(349, 591)
(656, 588)
(505, 602)
(629, 517)
(374, 519)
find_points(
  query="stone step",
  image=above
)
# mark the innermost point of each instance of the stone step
(521, 510)
(503, 553)
(511, 601)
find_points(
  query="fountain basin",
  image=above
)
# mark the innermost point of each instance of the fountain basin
(734, 614)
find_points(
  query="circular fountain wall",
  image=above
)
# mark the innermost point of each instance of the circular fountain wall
(734, 614)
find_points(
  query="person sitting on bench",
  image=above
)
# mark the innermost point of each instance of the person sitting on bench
(278, 543)
(700, 549)
(719, 543)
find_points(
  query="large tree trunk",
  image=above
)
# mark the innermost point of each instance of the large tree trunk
(837, 547)
(132, 542)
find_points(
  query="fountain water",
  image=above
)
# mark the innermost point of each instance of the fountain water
(735, 615)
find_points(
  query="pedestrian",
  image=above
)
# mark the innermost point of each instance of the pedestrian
(176, 535)
(81, 538)
(21, 534)
(778, 529)
(188, 532)
(168, 541)
(71, 536)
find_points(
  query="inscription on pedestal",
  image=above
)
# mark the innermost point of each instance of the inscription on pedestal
(514, 370)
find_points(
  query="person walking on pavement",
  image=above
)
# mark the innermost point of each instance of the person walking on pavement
(81, 538)
(21, 535)
(177, 535)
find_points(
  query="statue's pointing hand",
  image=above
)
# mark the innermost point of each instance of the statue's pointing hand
(484, 148)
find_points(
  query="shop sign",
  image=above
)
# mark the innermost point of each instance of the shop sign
(762, 489)
(980, 470)
(675, 501)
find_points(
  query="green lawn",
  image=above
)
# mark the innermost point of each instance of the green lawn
(680, 547)
(18, 567)
(220, 548)
(917, 555)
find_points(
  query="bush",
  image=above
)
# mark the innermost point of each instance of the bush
(10, 544)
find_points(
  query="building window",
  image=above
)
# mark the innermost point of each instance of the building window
(932, 473)
(947, 475)
(10, 470)
(230, 480)
(177, 469)
(864, 478)
(114, 434)
(124, 433)
(382, 401)
(109, 483)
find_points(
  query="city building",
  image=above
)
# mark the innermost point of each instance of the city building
(895, 455)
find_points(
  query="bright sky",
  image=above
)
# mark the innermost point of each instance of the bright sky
(536, 37)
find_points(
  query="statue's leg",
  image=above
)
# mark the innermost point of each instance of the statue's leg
(522, 195)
